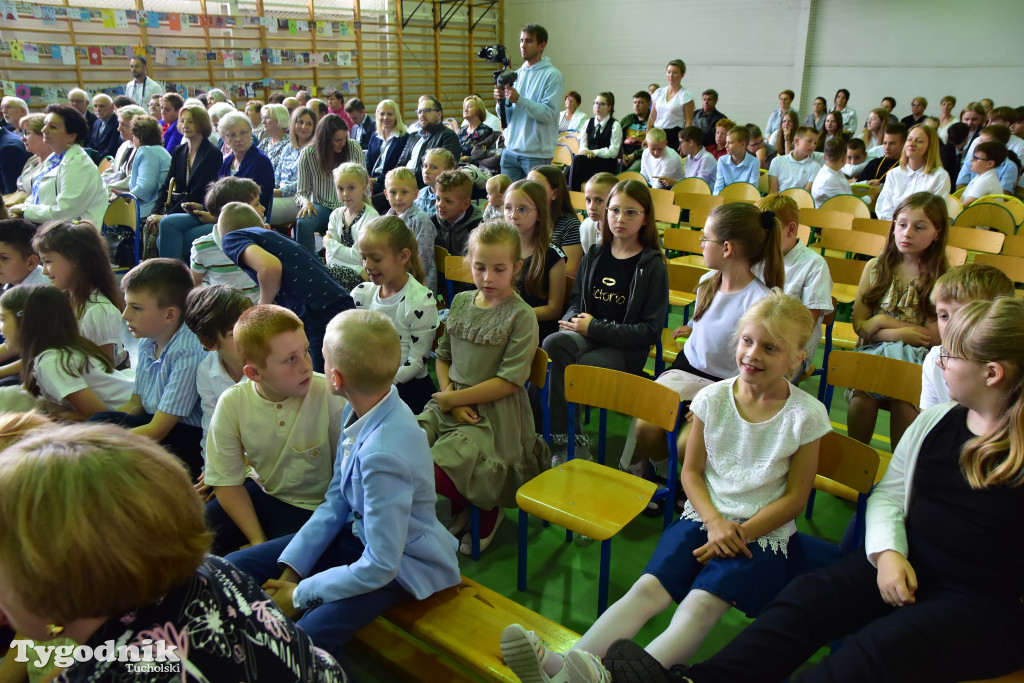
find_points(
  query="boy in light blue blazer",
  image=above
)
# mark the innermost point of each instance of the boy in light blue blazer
(376, 540)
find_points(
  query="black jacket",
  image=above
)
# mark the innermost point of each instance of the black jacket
(205, 169)
(442, 136)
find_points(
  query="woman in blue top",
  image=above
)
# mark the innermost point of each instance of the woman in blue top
(152, 162)
(177, 232)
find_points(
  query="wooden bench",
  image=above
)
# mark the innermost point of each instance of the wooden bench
(455, 635)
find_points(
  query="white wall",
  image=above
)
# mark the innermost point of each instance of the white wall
(749, 50)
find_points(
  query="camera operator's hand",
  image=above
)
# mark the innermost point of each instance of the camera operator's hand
(499, 93)
(511, 94)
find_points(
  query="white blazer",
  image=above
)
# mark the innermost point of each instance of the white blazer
(73, 189)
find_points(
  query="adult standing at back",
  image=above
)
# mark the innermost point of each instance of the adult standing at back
(141, 88)
(672, 105)
(531, 107)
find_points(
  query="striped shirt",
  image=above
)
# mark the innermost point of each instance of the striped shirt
(209, 259)
(168, 383)
(314, 184)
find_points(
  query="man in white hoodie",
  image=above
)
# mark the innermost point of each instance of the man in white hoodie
(531, 108)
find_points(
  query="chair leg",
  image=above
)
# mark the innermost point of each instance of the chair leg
(602, 591)
(523, 521)
(810, 505)
(474, 530)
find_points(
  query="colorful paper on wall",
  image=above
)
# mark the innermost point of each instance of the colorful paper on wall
(324, 29)
(229, 60)
(8, 11)
(85, 15)
(31, 53)
(254, 56)
(94, 56)
(275, 56)
(293, 27)
(120, 18)
(108, 18)
(174, 22)
(154, 19)
(139, 50)
(302, 26)
(67, 55)
(142, 19)
(17, 51)
(49, 15)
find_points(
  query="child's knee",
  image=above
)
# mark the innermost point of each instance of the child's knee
(648, 434)
(651, 592)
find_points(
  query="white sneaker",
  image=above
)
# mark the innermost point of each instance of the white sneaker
(584, 667)
(523, 652)
(466, 546)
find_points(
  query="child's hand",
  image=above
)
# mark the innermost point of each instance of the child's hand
(281, 592)
(579, 324)
(444, 400)
(465, 415)
(204, 490)
(725, 538)
(327, 237)
(897, 580)
(682, 331)
(914, 336)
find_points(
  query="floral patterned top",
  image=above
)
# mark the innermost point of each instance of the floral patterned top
(285, 160)
(224, 628)
(900, 301)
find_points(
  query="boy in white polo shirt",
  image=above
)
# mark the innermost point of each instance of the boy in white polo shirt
(660, 166)
(282, 423)
(807, 276)
(830, 181)
(798, 168)
(985, 160)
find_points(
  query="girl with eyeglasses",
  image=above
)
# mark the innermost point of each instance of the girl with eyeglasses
(619, 302)
(542, 282)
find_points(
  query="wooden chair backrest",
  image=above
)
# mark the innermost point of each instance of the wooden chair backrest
(622, 393)
(898, 379)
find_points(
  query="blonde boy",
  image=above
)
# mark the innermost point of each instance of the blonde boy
(807, 276)
(400, 189)
(435, 162)
(659, 165)
(496, 186)
(954, 289)
(798, 168)
(282, 422)
(456, 214)
(595, 193)
(375, 541)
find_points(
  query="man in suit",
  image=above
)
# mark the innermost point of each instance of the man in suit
(362, 125)
(375, 540)
(13, 109)
(432, 133)
(13, 156)
(104, 135)
(79, 99)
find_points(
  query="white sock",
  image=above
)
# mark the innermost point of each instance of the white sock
(552, 662)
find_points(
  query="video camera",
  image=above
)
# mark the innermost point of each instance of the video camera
(497, 54)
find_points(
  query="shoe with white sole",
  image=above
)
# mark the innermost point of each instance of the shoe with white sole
(583, 667)
(523, 652)
(466, 546)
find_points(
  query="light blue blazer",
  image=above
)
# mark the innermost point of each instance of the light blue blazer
(385, 488)
(149, 170)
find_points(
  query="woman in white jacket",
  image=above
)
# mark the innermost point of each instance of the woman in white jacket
(940, 593)
(70, 186)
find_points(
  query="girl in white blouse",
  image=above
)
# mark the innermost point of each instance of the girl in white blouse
(920, 170)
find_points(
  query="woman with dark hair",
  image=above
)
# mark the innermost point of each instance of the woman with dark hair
(571, 118)
(316, 195)
(194, 165)
(600, 143)
(848, 112)
(817, 116)
(70, 186)
(834, 128)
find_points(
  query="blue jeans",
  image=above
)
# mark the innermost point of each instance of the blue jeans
(177, 232)
(276, 517)
(331, 624)
(305, 227)
(517, 167)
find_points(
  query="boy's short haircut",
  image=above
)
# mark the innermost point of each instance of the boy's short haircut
(890, 100)
(643, 95)
(785, 207)
(498, 183)
(993, 151)
(805, 130)
(754, 130)
(971, 282)
(443, 155)
(692, 134)
(855, 145)
(364, 347)
(257, 326)
(236, 216)
(957, 133)
(604, 178)
(997, 132)
(401, 173)
(725, 123)
(230, 189)
(1007, 115)
(167, 279)
(18, 234)
(835, 149)
(741, 133)
(354, 104)
(656, 135)
(896, 129)
(456, 181)
(214, 310)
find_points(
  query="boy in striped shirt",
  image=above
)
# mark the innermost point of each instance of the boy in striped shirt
(208, 262)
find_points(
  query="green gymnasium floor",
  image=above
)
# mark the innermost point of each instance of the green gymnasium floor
(563, 578)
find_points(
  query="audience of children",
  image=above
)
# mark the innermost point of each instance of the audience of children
(273, 436)
(400, 188)
(398, 289)
(595, 196)
(830, 181)
(207, 260)
(376, 540)
(749, 466)
(343, 226)
(455, 215)
(986, 158)
(799, 167)
(565, 222)
(893, 314)
(697, 161)
(660, 165)
(480, 425)
(496, 186)
(436, 161)
(19, 265)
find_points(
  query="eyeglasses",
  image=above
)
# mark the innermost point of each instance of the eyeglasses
(615, 212)
(600, 104)
(945, 355)
(518, 210)
(231, 137)
(426, 111)
(975, 157)
(702, 239)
